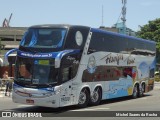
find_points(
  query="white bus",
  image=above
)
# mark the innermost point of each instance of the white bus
(62, 65)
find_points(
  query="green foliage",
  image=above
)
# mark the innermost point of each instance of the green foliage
(151, 31)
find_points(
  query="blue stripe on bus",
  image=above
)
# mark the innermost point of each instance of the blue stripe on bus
(57, 55)
(37, 55)
(62, 53)
(9, 52)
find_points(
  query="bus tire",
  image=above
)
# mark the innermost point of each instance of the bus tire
(96, 97)
(135, 91)
(142, 90)
(83, 98)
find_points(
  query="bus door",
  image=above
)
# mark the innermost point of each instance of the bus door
(68, 71)
(66, 87)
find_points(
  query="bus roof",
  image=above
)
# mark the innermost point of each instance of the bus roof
(57, 26)
(122, 35)
(92, 30)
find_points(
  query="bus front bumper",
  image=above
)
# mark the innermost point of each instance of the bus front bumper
(50, 101)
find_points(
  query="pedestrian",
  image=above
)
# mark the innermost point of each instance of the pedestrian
(0, 81)
(9, 88)
(5, 77)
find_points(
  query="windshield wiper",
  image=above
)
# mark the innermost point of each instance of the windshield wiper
(46, 84)
(28, 49)
(22, 81)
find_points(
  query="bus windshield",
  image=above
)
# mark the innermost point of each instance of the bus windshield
(36, 72)
(43, 38)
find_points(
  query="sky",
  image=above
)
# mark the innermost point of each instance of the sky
(78, 12)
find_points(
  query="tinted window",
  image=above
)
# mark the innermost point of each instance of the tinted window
(107, 42)
(78, 33)
(119, 44)
(43, 38)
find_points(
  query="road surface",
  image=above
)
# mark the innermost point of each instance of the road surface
(150, 102)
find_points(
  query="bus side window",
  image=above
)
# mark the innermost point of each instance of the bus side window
(107, 43)
(66, 74)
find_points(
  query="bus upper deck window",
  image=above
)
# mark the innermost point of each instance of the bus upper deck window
(56, 36)
(43, 38)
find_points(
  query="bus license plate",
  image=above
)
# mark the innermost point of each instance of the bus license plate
(29, 101)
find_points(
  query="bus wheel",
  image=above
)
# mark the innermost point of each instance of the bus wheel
(83, 98)
(135, 92)
(141, 93)
(96, 97)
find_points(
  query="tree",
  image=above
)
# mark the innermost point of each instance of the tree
(151, 31)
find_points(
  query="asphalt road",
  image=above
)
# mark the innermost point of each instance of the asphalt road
(126, 105)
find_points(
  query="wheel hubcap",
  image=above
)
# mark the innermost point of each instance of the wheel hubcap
(95, 96)
(142, 90)
(82, 98)
(135, 91)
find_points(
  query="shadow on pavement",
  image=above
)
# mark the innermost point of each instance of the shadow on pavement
(65, 109)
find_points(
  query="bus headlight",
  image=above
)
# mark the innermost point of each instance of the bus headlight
(57, 90)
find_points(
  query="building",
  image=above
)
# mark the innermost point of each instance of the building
(9, 39)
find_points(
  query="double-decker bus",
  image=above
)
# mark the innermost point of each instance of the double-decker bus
(62, 65)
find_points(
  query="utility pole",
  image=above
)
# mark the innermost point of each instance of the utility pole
(102, 15)
(102, 24)
(123, 18)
